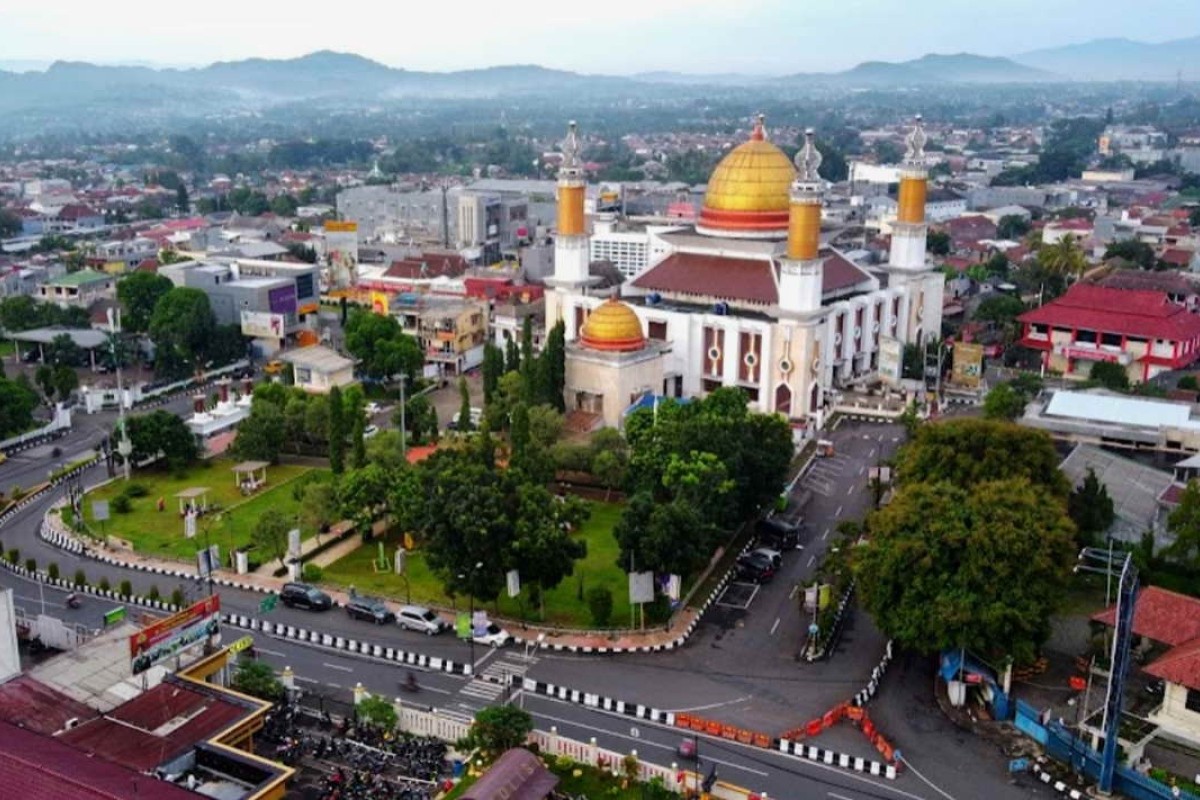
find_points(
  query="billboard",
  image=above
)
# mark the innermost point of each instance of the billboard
(282, 300)
(341, 249)
(641, 587)
(379, 303)
(169, 636)
(261, 325)
(891, 359)
(968, 364)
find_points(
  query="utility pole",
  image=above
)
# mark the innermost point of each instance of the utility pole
(124, 446)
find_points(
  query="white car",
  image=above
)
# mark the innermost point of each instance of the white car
(369, 431)
(494, 636)
(775, 556)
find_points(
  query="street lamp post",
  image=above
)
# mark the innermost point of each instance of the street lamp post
(124, 446)
(470, 576)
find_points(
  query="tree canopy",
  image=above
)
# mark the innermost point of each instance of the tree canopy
(161, 434)
(1184, 523)
(1003, 402)
(182, 328)
(383, 349)
(138, 294)
(261, 435)
(1090, 508)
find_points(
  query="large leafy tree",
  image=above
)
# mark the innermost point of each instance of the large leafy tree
(956, 565)
(1184, 523)
(17, 402)
(260, 436)
(182, 328)
(1064, 257)
(1003, 402)
(63, 352)
(138, 294)
(337, 431)
(970, 451)
(270, 533)
(382, 348)
(663, 537)
(543, 549)
(1090, 508)
(497, 729)
(161, 434)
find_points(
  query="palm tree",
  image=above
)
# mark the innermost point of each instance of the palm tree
(1065, 257)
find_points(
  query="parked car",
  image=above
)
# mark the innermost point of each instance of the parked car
(772, 555)
(755, 567)
(301, 595)
(476, 418)
(370, 430)
(421, 619)
(777, 534)
(370, 609)
(493, 636)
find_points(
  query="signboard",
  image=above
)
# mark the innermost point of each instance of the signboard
(379, 303)
(294, 543)
(268, 603)
(674, 586)
(261, 325)
(341, 248)
(208, 560)
(177, 632)
(891, 359)
(968, 364)
(100, 510)
(401, 560)
(462, 625)
(512, 580)
(282, 300)
(641, 587)
(113, 616)
(479, 623)
(241, 644)
(1094, 354)
(340, 226)
(189, 525)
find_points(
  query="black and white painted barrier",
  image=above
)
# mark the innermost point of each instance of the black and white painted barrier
(833, 759)
(68, 585)
(651, 714)
(868, 692)
(1038, 768)
(334, 642)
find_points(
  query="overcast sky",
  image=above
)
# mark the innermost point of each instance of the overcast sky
(606, 36)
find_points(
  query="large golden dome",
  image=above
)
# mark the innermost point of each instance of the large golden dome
(614, 327)
(749, 191)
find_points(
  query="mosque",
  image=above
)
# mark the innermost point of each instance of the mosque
(748, 297)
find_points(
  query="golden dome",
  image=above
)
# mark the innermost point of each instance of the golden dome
(749, 191)
(612, 326)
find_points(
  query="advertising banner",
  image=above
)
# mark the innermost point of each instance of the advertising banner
(641, 587)
(968, 364)
(282, 300)
(379, 303)
(512, 581)
(165, 638)
(261, 325)
(341, 249)
(891, 358)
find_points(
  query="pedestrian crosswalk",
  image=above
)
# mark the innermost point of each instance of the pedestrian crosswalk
(501, 676)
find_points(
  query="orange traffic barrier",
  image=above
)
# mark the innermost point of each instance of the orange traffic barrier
(697, 724)
(744, 736)
(855, 713)
(814, 727)
(1077, 683)
(762, 740)
(728, 732)
(683, 720)
(868, 729)
(714, 728)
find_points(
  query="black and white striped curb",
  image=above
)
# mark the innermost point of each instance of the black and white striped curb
(832, 759)
(34, 441)
(1039, 771)
(835, 630)
(868, 692)
(651, 714)
(335, 642)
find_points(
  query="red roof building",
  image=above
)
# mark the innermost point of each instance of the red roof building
(1143, 331)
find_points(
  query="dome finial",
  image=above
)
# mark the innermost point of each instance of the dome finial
(916, 142)
(759, 134)
(570, 147)
(808, 159)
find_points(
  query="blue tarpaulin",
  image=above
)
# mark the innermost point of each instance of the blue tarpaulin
(956, 665)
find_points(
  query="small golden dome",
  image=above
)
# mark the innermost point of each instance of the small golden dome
(749, 191)
(614, 327)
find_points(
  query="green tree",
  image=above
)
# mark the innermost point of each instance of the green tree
(358, 454)
(66, 381)
(555, 372)
(1064, 257)
(182, 203)
(317, 507)
(518, 434)
(938, 243)
(260, 437)
(464, 406)
(138, 294)
(17, 402)
(270, 534)
(1090, 508)
(1110, 375)
(377, 711)
(337, 431)
(1000, 311)
(600, 605)
(1012, 227)
(63, 352)
(609, 468)
(43, 376)
(366, 494)
(526, 341)
(182, 327)
(10, 224)
(493, 368)
(1184, 524)
(664, 537)
(512, 356)
(497, 729)
(543, 548)
(1133, 251)
(1003, 402)
(977, 566)
(161, 434)
(257, 679)
(382, 347)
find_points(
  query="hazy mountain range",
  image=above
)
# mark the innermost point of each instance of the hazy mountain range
(355, 79)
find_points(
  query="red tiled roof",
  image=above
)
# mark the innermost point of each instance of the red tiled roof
(38, 707)
(840, 273)
(38, 767)
(1131, 312)
(747, 279)
(1173, 494)
(1077, 224)
(1164, 616)
(1179, 665)
(432, 265)
(1171, 282)
(1177, 256)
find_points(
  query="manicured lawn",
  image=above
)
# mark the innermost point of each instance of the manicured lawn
(160, 533)
(565, 605)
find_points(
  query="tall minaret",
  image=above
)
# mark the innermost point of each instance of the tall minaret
(909, 229)
(571, 257)
(802, 271)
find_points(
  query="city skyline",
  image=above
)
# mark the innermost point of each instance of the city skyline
(695, 36)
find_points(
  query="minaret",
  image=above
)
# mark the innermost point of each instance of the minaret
(571, 256)
(909, 229)
(802, 271)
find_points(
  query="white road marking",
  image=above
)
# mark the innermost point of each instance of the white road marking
(741, 699)
(334, 685)
(862, 469)
(825, 535)
(838, 513)
(850, 489)
(302, 679)
(337, 667)
(775, 626)
(837, 796)
(270, 652)
(792, 593)
(811, 559)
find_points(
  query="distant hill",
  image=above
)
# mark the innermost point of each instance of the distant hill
(1120, 59)
(931, 69)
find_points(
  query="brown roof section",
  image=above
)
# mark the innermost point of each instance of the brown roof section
(1169, 282)
(750, 280)
(516, 775)
(429, 265)
(1164, 616)
(38, 707)
(1180, 665)
(841, 273)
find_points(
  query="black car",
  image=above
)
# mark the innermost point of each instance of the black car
(755, 567)
(370, 609)
(777, 534)
(301, 595)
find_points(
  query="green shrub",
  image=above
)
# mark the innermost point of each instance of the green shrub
(14, 555)
(80, 578)
(125, 589)
(122, 504)
(1189, 383)
(600, 604)
(31, 564)
(153, 593)
(52, 570)
(104, 584)
(17, 492)
(136, 490)
(313, 573)
(177, 597)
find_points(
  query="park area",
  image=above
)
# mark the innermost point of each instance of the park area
(228, 522)
(566, 604)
